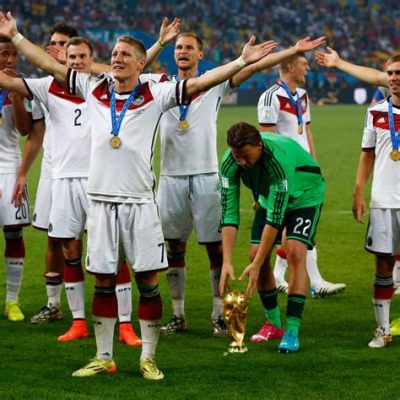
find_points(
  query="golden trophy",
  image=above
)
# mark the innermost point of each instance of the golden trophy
(235, 305)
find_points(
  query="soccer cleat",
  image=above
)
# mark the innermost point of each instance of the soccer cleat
(267, 332)
(127, 335)
(380, 339)
(13, 311)
(326, 288)
(282, 286)
(148, 369)
(96, 366)
(47, 314)
(78, 330)
(175, 324)
(289, 343)
(219, 327)
(395, 327)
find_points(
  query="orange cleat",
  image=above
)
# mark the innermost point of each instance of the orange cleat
(78, 330)
(127, 335)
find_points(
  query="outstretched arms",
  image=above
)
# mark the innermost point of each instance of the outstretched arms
(370, 75)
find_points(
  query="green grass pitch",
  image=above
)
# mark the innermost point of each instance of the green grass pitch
(334, 361)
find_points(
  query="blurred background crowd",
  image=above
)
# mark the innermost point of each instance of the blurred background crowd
(363, 31)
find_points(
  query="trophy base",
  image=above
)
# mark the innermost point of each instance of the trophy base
(236, 347)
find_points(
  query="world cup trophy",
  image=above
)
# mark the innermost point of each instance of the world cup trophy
(235, 305)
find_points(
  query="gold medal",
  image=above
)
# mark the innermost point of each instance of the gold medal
(300, 129)
(115, 142)
(183, 125)
(256, 206)
(395, 155)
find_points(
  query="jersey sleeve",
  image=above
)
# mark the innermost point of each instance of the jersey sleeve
(81, 83)
(37, 110)
(39, 88)
(307, 114)
(169, 94)
(369, 134)
(267, 109)
(230, 191)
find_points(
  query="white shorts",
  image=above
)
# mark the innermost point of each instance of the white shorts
(9, 214)
(41, 212)
(69, 208)
(383, 234)
(190, 200)
(124, 231)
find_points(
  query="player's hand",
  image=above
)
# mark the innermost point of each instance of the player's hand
(19, 193)
(227, 273)
(169, 32)
(328, 59)
(8, 25)
(359, 208)
(251, 273)
(307, 44)
(58, 54)
(252, 53)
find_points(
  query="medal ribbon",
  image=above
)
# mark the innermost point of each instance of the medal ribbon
(3, 96)
(117, 121)
(184, 109)
(395, 136)
(296, 104)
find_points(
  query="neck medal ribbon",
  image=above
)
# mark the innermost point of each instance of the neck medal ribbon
(296, 105)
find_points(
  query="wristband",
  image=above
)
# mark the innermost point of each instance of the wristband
(240, 62)
(17, 38)
(161, 45)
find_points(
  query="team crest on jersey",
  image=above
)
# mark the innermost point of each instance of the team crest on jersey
(138, 101)
(224, 182)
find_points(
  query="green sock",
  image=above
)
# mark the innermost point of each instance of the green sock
(274, 316)
(269, 300)
(293, 325)
(294, 311)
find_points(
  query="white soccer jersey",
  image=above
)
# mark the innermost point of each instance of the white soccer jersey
(124, 174)
(275, 108)
(67, 127)
(193, 151)
(385, 192)
(10, 153)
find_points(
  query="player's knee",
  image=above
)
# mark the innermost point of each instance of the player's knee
(176, 259)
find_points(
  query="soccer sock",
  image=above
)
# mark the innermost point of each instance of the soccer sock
(312, 268)
(15, 255)
(215, 274)
(75, 287)
(396, 272)
(383, 292)
(294, 311)
(269, 300)
(54, 282)
(176, 277)
(124, 295)
(280, 268)
(150, 314)
(105, 312)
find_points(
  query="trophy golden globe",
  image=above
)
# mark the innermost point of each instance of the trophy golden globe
(235, 305)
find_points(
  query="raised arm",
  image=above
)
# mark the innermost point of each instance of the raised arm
(302, 46)
(369, 75)
(168, 32)
(251, 53)
(33, 53)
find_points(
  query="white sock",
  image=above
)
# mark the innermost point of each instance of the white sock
(124, 298)
(396, 274)
(176, 278)
(14, 273)
(280, 268)
(312, 268)
(150, 331)
(76, 298)
(104, 332)
(215, 274)
(54, 294)
(382, 310)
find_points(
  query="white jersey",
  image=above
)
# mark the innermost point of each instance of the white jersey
(193, 151)
(10, 153)
(124, 174)
(275, 108)
(385, 192)
(67, 127)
